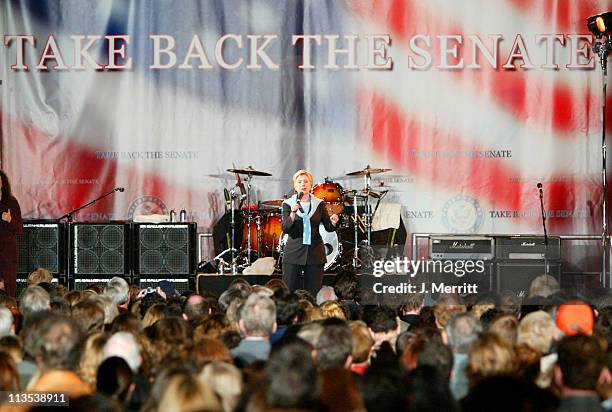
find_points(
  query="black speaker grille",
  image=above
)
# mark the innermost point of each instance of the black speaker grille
(164, 250)
(99, 249)
(39, 247)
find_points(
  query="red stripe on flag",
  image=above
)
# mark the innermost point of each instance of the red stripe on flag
(403, 139)
(508, 89)
(50, 174)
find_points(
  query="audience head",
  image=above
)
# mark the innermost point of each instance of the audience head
(462, 330)
(537, 330)
(543, 285)
(115, 379)
(257, 316)
(575, 317)
(117, 290)
(39, 275)
(33, 299)
(581, 362)
(57, 341)
(292, 378)
(6, 321)
(123, 345)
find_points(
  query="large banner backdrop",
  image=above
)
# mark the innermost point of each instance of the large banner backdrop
(470, 103)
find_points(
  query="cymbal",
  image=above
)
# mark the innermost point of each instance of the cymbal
(274, 202)
(249, 171)
(368, 171)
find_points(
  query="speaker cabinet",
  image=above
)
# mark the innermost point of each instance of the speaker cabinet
(165, 249)
(99, 249)
(41, 245)
(518, 275)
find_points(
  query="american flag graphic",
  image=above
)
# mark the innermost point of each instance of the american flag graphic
(484, 99)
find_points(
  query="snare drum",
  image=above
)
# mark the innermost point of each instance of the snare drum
(331, 193)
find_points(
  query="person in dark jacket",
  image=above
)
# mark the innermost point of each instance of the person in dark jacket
(304, 252)
(10, 226)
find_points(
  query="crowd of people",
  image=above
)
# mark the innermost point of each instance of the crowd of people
(115, 347)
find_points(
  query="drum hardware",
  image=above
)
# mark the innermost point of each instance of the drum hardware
(230, 198)
(365, 194)
(249, 172)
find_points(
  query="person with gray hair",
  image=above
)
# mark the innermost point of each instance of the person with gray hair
(123, 345)
(6, 322)
(33, 299)
(462, 330)
(56, 346)
(256, 321)
(118, 291)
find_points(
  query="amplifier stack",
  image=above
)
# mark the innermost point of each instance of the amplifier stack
(510, 262)
(80, 253)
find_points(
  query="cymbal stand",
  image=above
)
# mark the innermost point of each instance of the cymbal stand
(368, 210)
(356, 260)
(230, 198)
(248, 200)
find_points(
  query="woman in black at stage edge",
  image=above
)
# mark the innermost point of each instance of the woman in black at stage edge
(10, 226)
(304, 253)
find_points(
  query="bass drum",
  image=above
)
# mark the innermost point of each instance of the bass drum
(333, 247)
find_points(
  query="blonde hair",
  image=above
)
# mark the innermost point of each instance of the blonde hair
(490, 355)
(544, 285)
(362, 341)
(446, 306)
(91, 357)
(40, 275)
(332, 309)
(506, 327)
(537, 330)
(188, 393)
(300, 173)
(153, 314)
(225, 380)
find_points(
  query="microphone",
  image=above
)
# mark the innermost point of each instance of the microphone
(119, 189)
(539, 185)
(299, 196)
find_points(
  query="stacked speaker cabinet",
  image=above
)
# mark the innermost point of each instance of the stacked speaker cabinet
(164, 250)
(41, 245)
(99, 249)
(461, 260)
(520, 259)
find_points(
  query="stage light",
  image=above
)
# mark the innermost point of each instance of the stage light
(600, 24)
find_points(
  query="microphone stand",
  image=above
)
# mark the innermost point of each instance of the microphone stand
(546, 268)
(602, 49)
(69, 217)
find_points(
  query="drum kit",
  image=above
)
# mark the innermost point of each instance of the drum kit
(261, 226)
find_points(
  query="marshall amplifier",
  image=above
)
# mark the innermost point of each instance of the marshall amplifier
(461, 247)
(527, 248)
